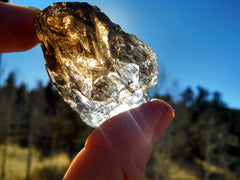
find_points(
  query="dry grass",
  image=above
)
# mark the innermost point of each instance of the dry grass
(53, 168)
(166, 169)
(41, 168)
(171, 170)
(215, 169)
(179, 173)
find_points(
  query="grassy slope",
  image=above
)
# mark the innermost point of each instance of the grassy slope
(41, 168)
(54, 167)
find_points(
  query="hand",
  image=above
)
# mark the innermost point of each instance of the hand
(16, 28)
(120, 147)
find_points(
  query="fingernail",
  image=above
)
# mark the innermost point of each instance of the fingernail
(33, 8)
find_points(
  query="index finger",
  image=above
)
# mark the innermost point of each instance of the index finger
(16, 28)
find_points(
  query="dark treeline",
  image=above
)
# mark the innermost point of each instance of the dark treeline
(204, 134)
(204, 130)
(40, 118)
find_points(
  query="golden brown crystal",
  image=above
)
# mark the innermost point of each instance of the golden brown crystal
(97, 68)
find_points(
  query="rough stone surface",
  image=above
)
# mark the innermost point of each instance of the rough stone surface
(98, 69)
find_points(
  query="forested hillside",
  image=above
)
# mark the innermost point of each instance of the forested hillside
(203, 139)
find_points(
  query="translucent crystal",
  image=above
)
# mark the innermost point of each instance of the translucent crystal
(98, 69)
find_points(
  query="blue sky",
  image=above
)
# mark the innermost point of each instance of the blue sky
(197, 43)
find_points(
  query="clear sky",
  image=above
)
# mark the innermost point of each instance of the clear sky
(197, 43)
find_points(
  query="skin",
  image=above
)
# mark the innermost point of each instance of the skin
(118, 149)
(16, 28)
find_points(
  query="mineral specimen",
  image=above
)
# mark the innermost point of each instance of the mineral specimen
(98, 69)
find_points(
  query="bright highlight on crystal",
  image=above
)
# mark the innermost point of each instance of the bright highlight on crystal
(98, 69)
